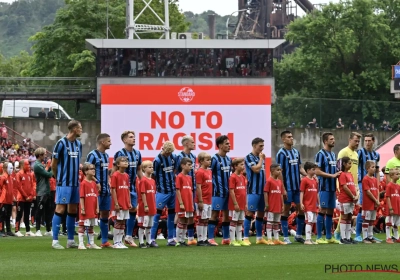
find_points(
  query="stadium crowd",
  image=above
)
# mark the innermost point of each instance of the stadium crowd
(172, 197)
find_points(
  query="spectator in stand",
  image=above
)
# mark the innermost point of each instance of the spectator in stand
(373, 127)
(354, 125)
(12, 150)
(339, 124)
(3, 132)
(388, 127)
(384, 126)
(51, 114)
(313, 124)
(25, 155)
(27, 144)
(42, 114)
(32, 159)
(365, 126)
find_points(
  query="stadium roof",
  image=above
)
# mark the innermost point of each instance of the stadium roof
(93, 44)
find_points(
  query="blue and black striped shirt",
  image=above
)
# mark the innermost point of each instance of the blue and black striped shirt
(221, 171)
(100, 161)
(164, 173)
(326, 161)
(363, 157)
(179, 169)
(68, 155)
(290, 162)
(134, 162)
(255, 181)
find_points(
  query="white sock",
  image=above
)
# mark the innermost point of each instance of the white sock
(370, 231)
(348, 231)
(308, 231)
(365, 230)
(184, 231)
(91, 238)
(388, 232)
(147, 232)
(232, 233)
(80, 238)
(343, 230)
(179, 233)
(199, 230)
(239, 232)
(396, 232)
(115, 235)
(205, 231)
(276, 232)
(121, 235)
(269, 231)
(141, 234)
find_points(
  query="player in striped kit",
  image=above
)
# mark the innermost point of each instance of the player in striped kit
(164, 165)
(327, 173)
(65, 165)
(99, 158)
(221, 171)
(290, 161)
(255, 170)
(188, 146)
(365, 154)
(133, 170)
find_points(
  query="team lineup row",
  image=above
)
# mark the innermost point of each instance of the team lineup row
(218, 185)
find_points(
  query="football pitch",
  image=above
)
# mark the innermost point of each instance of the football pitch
(33, 258)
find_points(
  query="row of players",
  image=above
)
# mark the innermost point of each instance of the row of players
(167, 165)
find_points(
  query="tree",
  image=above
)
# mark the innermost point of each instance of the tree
(60, 50)
(346, 52)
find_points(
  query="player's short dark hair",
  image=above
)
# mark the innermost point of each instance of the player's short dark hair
(383, 169)
(256, 141)
(186, 160)
(101, 137)
(220, 140)
(343, 161)
(370, 135)
(125, 134)
(325, 136)
(309, 165)
(86, 167)
(396, 148)
(274, 166)
(72, 124)
(283, 133)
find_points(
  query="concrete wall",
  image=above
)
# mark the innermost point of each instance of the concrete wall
(46, 133)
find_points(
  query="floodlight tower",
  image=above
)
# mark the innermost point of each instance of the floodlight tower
(133, 29)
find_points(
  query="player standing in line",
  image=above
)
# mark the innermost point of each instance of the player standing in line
(274, 205)
(188, 146)
(6, 197)
(365, 154)
(133, 170)
(290, 161)
(99, 158)
(164, 165)
(221, 171)
(351, 152)
(203, 197)
(393, 206)
(237, 202)
(121, 199)
(147, 203)
(394, 162)
(89, 206)
(184, 200)
(309, 199)
(255, 170)
(347, 197)
(65, 166)
(327, 173)
(370, 189)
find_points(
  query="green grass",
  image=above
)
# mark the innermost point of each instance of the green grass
(33, 257)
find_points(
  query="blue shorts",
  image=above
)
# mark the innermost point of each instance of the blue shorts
(293, 196)
(163, 200)
(134, 200)
(219, 203)
(67, 195)
(360, 199)
(327, 199)
(105, 203)
(255, 202)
